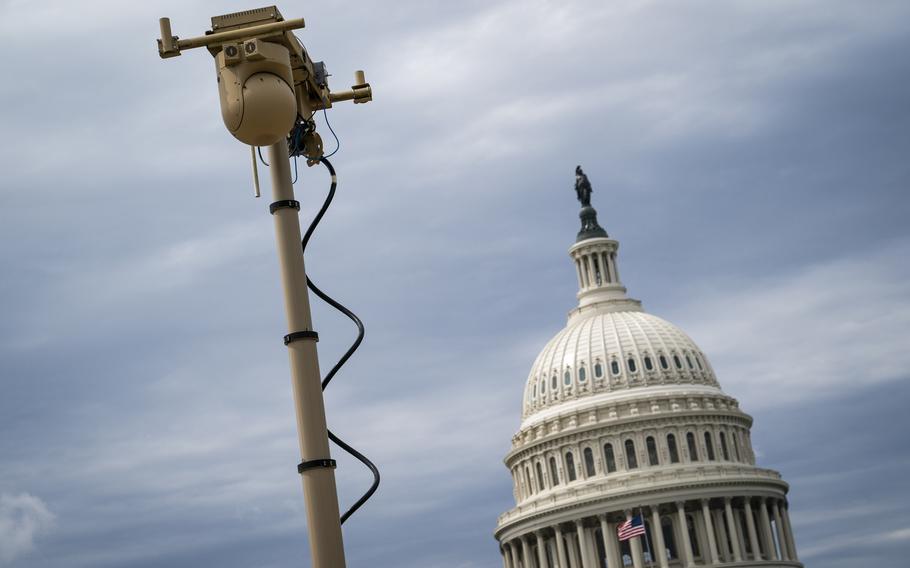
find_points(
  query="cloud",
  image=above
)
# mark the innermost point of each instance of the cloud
(23, 518)
(809, 333)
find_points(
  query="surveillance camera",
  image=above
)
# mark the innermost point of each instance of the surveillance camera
(255, 86)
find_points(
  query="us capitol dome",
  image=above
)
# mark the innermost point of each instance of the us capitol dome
(623, 417)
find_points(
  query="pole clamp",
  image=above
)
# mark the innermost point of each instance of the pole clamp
(284, 204)
(299, 335)
(312, 464)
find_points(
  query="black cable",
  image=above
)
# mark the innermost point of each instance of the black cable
(259, 150)
(332, 130)
(347, 354)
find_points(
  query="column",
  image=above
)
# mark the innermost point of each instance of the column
(740, 531)
(789, 532)
(721, 533)
(573, 551)
(781, 539)
(657, 531)
(592, 546)
(541, 551)
(506, 559)
(709, 530)
(583, 545)
(685, 546)
(581, 283)
(561, 548)
(770, 549)
(513, 552)
(611, 544)
(527, 559)
(733, 526)
(638, 559)
(750, 527)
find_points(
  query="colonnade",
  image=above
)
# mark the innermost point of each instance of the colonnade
(703, 532)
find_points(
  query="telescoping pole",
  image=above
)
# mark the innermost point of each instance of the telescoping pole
(316, 467)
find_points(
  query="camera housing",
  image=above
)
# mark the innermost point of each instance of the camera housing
(255, 88)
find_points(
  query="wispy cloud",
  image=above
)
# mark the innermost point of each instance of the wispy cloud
(23, 518)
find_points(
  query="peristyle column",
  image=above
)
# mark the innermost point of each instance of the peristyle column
(750, 528)
(686, 549)
(709, 529)
(660, 547)
(732, 524)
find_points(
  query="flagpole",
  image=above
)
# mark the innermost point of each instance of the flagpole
(647, 541)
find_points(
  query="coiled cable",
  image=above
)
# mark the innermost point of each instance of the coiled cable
(347, 354)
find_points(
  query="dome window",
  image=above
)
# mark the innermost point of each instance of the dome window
(709, 445)
(540, 483)
(631, 459)
(649, 365)
(735, 447)
(723, 446)
(652, 451)
(609, 458)
(632, 366)
(554, 477)
(570, 466)
(582, 376)
(553, 382)
(614, 367)
(567, 379)
(543, 386)
(589, 462)
(689, 361)
(663, 363)
(671, 445)
(598, 370)
(693, 450)
(698, 362)
(677, 361)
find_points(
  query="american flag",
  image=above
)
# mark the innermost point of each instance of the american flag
(631, 528)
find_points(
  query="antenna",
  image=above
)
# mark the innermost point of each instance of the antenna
(269, 90)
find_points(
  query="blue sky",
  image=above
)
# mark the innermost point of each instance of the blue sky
(751, 157)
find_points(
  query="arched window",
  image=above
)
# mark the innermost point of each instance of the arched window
(589, 462)
(609, 458)
(652, 451)
(723, 446)
(709, 445)
(553, 382)
(554, 475)
(543, 386)
(567, 380)
(698, 362)
(614, 367)
(631, 458)
(649, 365)
(632, 366)
(540, 483)
(693, 450)
(663, 363)
(736, 447)
(671, 445)
(689, 361)
(677, 361)
(570, 466)
(528, 480)
(598, 370)
(582, 375)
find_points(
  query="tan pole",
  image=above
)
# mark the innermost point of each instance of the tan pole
(323, 522)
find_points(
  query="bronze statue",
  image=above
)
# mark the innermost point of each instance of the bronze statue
(582, 187)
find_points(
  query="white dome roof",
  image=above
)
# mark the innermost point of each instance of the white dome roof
(605, 351)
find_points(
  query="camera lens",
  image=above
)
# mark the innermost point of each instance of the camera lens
(230, 51)
(250, 47)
